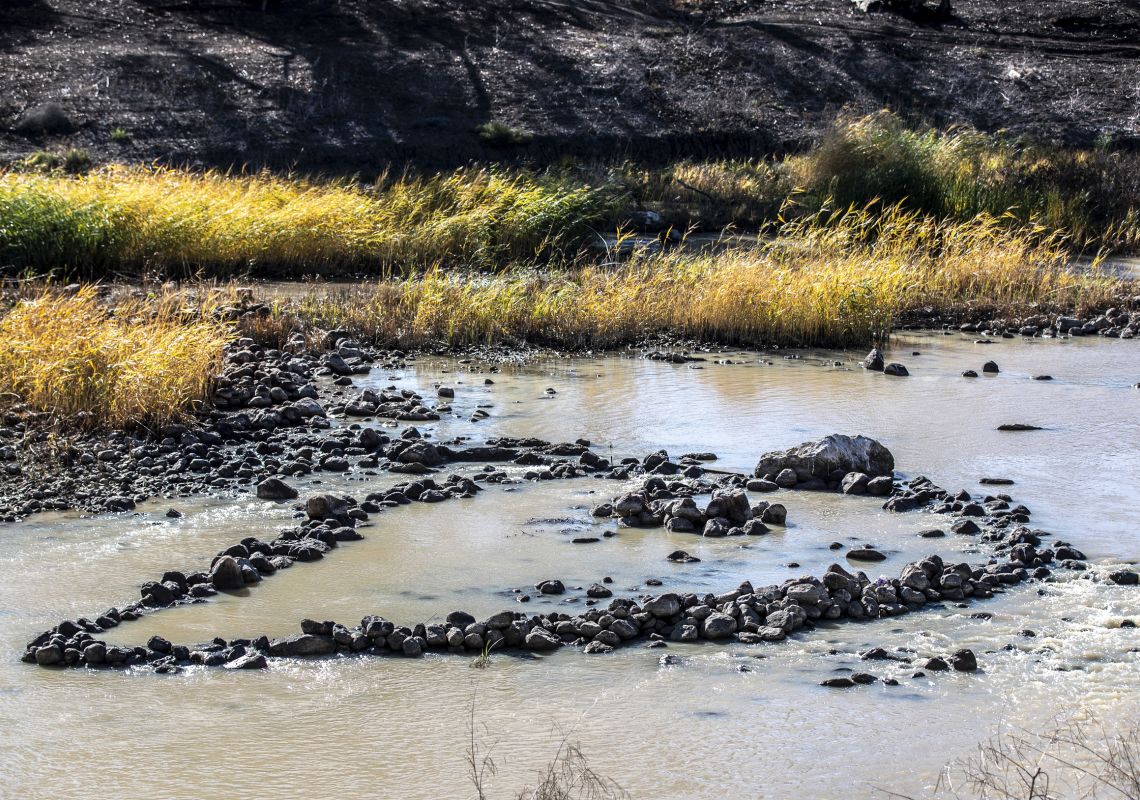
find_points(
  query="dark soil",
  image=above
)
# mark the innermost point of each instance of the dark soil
(359, 84)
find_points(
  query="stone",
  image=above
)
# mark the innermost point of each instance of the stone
(775, 514)
(251, 660)
(625, 629)
(838, 683)
(717, 527)
(805, 594)
(936, 664)
(542, 641)
(965, 527)
(553, 586)
(49, 655)
(855, 483)
(226, 574)
(874, 361)
(786, 478)
(991, 368)
(304, 644)
(325, 506)
(663, 607)
(964, 661)
(1124, 577)
(819, 459)
(275, 489)
(865, 554)
(897, 370)
(880, 486)
(44, 119)
(761, 485)
(718, 626)
(608, 637)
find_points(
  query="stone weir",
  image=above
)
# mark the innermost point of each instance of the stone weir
(746, 614)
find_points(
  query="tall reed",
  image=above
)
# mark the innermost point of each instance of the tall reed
(833, 278)
(132, 221)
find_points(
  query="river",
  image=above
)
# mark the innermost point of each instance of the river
(724, 721)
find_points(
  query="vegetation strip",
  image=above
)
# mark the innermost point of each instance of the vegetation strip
(133, 220)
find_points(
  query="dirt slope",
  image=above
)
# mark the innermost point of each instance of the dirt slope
(353, 84)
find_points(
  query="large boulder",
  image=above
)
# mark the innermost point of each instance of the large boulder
(832, 454)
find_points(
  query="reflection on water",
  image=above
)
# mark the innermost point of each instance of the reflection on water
(725, 721)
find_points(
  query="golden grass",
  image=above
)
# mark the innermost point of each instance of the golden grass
(834, 278)
(122, 220)
(145, 364)
(1092, 194)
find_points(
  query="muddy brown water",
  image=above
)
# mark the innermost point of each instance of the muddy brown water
(727, 721)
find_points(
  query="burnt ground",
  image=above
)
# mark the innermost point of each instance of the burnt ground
(344, 85)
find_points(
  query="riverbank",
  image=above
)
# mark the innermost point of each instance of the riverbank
(359, 86)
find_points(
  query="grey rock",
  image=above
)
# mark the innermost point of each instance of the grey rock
(964, 661)
(663, 607)
(865, 554)
(775, 514)
(834, 453)
(226, 574)
(304, 644)
(718, 626)
(855, 483)
(251, 660)
(275, 489)
(45, 119)
(542, 641)
(874, 361)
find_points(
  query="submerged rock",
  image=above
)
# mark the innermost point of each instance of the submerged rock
(865, 554)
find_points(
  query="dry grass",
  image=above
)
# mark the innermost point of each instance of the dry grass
(134, 221)
(834, 278)
(120, 221)
(1082, 758)
(1092, 194)
(144, 364)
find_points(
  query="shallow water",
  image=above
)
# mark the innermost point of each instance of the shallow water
(701, 728)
